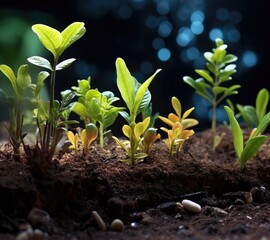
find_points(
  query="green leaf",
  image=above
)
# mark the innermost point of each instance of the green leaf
(65, 64)
(263, 125)
(205, 74)
(229, 58)
(23, 77)
(49, 37)
(248, 113)
(217, 90)
(262, 100)
(71, 34)
(125, 83)
(251, 148)
(80, 109)
(177, 106)
(40, 61)
(11, 76)
(140, 93)
(238, 139)
(40, 82)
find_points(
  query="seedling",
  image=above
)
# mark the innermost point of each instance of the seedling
(252, 115)
(56, 42)
(74, 140)
(20, 84)
(246, 151)
(150, 136)
(95, 107)
(178, 123)
(136, 97)
(209, 85)
(88, 135)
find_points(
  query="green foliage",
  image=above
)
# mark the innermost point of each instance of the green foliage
(178, 123)
(252, 115)
(210, 84)
(48, 113)
(88, 135)
(134, 133)
(94, 106)
(135, 95)
(20, 84)
(246, 151)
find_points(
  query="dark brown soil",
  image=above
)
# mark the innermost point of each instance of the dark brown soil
(143, 196)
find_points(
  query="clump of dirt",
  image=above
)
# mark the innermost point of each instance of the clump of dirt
(145, 197)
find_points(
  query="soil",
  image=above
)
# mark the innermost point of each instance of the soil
(145, 197)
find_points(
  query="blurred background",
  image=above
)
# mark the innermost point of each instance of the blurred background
(147, 34)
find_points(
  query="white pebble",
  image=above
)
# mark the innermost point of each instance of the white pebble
(117, 225)
(191, 206)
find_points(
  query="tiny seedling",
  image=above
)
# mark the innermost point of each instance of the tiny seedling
(74, 140)
(246, 151)
(252, 115)
(209, 85)
(178, 123)
(136, 97)
(87, 136)
(95, 107)
(150, 136)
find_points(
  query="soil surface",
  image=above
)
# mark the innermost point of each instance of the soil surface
(235, 203)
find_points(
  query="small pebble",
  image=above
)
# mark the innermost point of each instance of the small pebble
(134, 225)
(191, 206)
(39, 218)
(117, 225)
(248, 197)
(99, 221)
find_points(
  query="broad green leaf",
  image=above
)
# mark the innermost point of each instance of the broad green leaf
(238, 139)
(209, 57)
(251, 148)
(205, 74)
(23, 77)
(219, 42)
(11, 76)
(230, 67)
(80, 109)
(217, 90)
(94, 108)
(140, 94)
(138, 130)
(189, 122)
(40, 61)
(231, 90)
(71, 34)
(262, 100)
(92, 93)
(219, 53)
(187, 112)
(65, 64)
(49, 37)
(248, 113)
(146, 98)
(125, 83)
(229, 58)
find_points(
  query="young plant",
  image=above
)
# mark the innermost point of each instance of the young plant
(88, 135)
(246, 151)
(74, 140)
(136, 98)
(94, 106)
(56, 42)
(178, 123)
(209, 85)
(20, 84)
(252, 115)
(134, 133)
(150, 136)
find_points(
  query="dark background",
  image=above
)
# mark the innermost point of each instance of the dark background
(121, 28)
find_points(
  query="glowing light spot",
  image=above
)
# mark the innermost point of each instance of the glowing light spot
(235, 17)
(197, 27)
(222, 14)
(138, 4)
(192, 53)
(158, 43)
(215, 33)
(197, 16)
(125, 12)
(249, 59)
(163, 8)
(183, 13)
(164, 54)
(165, 29)
(147, 67)
(184, 37)
(151, 21)
(233, 35)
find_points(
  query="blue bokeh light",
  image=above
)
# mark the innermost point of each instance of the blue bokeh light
(165, 29)
(158, 43)
(197, 16)
(215, 33)
(147, 67)
(163, 8)
(249, 58)
(197, 27)
(151, 21)
(184, 37)
(222, 14)
(164, 54)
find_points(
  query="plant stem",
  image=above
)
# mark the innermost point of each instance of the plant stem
(214, 120)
